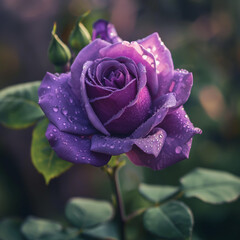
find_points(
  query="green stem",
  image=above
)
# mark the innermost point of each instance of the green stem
(113, 173)
(120, 206)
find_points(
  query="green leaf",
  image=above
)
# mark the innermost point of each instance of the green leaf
(172, 220)
(19, 105)
(37, 228)
(156, 193)
(85, 213)
(104, 231)
(211, 186)
(10, 229)
(44, 158)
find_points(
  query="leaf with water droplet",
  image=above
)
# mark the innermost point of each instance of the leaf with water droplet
(44, 158)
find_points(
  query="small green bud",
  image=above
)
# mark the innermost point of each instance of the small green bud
(79, 36)
(58, 52)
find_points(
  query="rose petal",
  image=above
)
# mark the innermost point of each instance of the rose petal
(90, 113)
(131, 116)
(181, 85)
(107, 106)
(152, 144)
(137, 53)
(74, 148)
(106, 31)
(165, 102)
(61, 106)
(164, 63)
(90, 52)
(105, 67)
(177, 145)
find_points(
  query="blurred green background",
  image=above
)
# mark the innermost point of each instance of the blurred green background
(203, 37)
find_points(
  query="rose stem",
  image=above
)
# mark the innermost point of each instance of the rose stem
(120, 215)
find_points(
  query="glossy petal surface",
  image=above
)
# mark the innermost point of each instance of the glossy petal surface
(61, 106)
(152, 144)
(89, 53)
(74, 148)
(163, 58)
(177, 145)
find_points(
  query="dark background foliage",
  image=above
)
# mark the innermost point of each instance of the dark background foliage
(203, 36)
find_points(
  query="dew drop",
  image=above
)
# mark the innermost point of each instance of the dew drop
(55, 109)
(178, 149)
(70, 100)
(64, 112)
(112, 147)
(48, 87)
(55, 130)
(144, 57)
(51, 135)
(64, 124)
(70, 119)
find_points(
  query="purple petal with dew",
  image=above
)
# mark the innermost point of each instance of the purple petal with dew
(140, 55)
(180, 131)
(90, 113)
(61, 106)
(105, 31)
(181, 85)
(88, 53)
(151, 145)
(167, 101)
(74, 148)
(163, 58)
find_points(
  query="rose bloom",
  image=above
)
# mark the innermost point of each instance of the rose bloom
(119, 97)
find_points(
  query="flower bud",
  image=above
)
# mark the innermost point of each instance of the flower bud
(79, 36)
(58, 52)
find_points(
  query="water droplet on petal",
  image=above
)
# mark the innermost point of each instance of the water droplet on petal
(70, 119)
(144, 57)
(48, 87)
(178, 149)
(64, 112)
(55, 109)
(55, 130)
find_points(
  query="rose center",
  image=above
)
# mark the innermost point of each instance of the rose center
(115, 79)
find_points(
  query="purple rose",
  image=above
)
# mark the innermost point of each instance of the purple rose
(119, 97)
